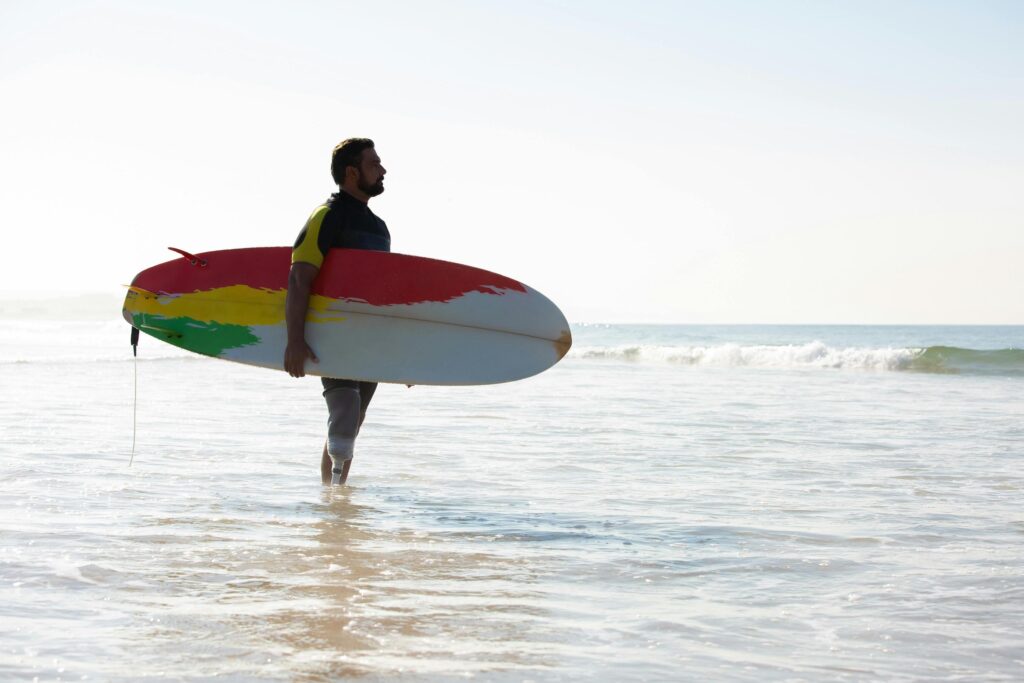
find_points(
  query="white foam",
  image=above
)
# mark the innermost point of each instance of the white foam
(814, 354)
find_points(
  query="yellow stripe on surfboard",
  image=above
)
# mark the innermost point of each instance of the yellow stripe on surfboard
(235, 305)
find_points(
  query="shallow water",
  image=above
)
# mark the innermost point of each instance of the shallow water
(750, 516)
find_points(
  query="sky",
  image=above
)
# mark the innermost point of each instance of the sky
(687, 162)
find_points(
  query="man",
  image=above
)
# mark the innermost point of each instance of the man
(344, 221)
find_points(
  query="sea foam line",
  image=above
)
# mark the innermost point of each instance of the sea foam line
(814, 354)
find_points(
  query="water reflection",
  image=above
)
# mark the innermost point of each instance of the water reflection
(402, 599)
(340, 588)
(348, 585)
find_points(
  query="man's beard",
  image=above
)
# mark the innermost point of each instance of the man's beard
(371, 190)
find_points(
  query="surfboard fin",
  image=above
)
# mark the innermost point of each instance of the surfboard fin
(191, 258)
(171, 334)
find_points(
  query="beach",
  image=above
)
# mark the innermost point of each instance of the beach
(830, 489)
(737, 503)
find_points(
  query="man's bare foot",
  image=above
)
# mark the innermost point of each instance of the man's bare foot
(325, 467)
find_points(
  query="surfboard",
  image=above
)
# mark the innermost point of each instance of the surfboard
(373, 316)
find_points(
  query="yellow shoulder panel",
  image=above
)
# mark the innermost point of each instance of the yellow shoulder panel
(307, 249)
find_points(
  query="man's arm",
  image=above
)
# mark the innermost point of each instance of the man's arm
(300, 283)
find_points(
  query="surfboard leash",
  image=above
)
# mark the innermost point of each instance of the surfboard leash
(135, 387)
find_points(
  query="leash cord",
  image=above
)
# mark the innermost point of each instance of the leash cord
(135, 403)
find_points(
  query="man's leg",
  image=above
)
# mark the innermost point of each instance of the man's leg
(366, 391)
(326, 465)
(343, 407)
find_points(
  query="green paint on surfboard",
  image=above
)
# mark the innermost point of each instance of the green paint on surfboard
(207, 338)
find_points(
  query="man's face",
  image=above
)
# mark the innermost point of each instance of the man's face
(371, 174)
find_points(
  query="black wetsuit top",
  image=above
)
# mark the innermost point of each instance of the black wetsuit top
(342, 222)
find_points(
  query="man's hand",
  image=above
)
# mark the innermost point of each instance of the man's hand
(295, 356)
(300, 281)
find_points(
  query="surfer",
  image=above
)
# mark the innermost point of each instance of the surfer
(343, 221)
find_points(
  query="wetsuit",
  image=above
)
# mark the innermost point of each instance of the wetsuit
(342, 222)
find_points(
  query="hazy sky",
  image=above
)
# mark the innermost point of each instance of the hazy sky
(670, 162)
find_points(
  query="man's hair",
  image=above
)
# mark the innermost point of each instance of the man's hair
(348, 153)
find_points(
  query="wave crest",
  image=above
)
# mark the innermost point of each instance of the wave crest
(816, 354)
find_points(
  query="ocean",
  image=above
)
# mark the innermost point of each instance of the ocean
(669, 503)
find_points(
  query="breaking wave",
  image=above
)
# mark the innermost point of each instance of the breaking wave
(933, 359)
